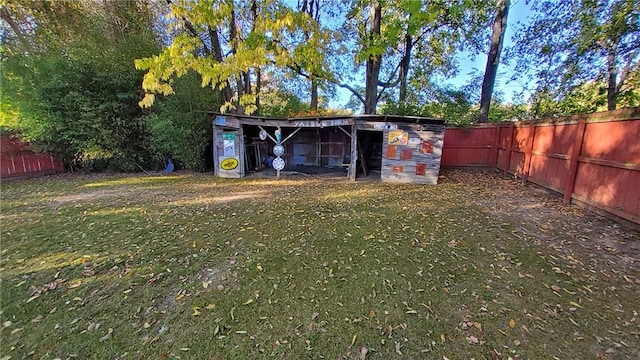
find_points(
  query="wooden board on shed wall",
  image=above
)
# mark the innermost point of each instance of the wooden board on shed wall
(406, 171)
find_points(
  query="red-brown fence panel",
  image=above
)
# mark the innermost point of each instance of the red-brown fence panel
(593, 159)
(17, 159)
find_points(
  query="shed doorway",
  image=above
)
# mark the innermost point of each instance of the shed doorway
(369, 154)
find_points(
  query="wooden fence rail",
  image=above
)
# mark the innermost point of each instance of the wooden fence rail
(593, 159)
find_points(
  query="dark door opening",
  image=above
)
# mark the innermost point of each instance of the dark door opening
(370, 153)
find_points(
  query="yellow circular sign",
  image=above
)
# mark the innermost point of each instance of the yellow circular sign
(229, 164)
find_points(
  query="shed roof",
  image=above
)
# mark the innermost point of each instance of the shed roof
(380, 118)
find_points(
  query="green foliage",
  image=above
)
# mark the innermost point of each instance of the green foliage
(449, 104)
(572, 43)
(70, 88)
(282, 104)
(179, 125)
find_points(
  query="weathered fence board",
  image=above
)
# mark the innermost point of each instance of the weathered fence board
(18, 160)
(594, 159)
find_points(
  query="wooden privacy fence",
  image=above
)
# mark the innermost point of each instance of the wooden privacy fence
(18, 160)
(593, 159)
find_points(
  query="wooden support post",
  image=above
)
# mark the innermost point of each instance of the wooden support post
(528, 154)
(354, 152)
(573, 160)
(507, 160)
(215, 150)
(241, 152)
(319, 148)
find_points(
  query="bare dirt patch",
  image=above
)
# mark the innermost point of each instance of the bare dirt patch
(575, 234)
(87, 197)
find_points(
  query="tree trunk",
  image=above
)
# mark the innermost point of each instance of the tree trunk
(314, 94)
(216, 52)
(493, 59)
(373, 61)
(612, 70)
(404, 70)
(258, 86)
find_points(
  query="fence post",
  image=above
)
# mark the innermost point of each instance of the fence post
(573, 160)
(494, 163)
(528, 155)
(507, 161)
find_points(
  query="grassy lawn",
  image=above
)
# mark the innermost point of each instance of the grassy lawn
(194, 267)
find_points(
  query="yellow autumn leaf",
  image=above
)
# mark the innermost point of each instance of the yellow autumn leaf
(512, 323)
(575, 304)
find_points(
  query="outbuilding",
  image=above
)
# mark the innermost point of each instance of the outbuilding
(396, 148)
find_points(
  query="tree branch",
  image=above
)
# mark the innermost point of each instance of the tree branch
(4, 15)
(192, 30)
(299, 71)
(625, 70)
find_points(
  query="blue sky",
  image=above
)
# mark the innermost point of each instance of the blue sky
(472, 65)
(518, 12)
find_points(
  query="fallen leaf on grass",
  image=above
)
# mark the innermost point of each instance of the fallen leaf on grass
(353, 340)
(248, 302)
(575, 304)
(398, 346)
(210, 307)
(108, 336)
(512, 323)
(442, 338)
(363, 352)
(195, 311)
(15, 331)
(472, 340)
